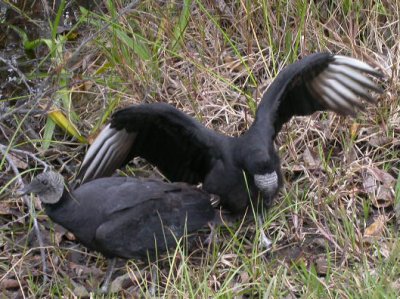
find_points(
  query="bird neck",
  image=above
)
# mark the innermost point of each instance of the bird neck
(66, 196)
(254, 148)
(261, 132)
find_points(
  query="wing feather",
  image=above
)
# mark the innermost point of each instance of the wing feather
(171, 140)
(318, 82)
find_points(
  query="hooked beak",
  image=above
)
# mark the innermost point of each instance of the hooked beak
(33, 187)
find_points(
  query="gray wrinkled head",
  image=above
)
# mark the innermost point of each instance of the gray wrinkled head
(268, 184)
(49, 186)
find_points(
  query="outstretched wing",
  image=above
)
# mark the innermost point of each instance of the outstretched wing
(319, 81)
(176, 143)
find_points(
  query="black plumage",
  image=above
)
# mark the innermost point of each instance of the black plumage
(122, 216)
(235, 169)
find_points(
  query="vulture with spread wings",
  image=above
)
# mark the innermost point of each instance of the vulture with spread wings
(237, 169)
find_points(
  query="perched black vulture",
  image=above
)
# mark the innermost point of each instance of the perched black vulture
(124, 217)
(235, 169)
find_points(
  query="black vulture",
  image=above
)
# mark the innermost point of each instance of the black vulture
(234, 168)
(122, 216)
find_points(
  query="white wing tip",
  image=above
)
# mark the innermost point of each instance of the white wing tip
(357, 64)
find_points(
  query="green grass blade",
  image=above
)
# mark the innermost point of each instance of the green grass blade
(182, 24)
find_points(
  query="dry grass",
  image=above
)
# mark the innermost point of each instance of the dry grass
(334, 224)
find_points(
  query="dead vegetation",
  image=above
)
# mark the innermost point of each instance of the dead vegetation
(335, 222)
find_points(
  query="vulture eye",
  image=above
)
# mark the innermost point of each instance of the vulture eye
(44, 182)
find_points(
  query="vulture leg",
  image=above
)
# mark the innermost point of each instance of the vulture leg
(210, 238)
(265, 242)
(153, 283)
(217, 220)
(107, 278)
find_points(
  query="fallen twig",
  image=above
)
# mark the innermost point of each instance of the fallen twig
(3, 148)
